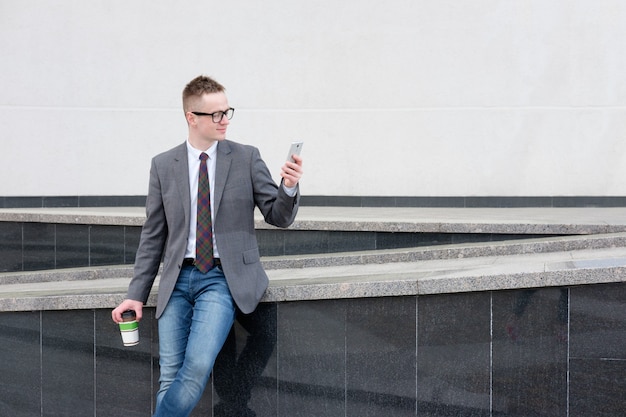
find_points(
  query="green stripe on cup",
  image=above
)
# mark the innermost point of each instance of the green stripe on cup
(126, 327)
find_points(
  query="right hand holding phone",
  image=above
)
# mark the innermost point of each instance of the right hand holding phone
(291, 172)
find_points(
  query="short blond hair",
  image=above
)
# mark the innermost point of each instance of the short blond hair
(197, 87)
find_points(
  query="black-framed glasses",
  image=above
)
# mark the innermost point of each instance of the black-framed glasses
(218, 115)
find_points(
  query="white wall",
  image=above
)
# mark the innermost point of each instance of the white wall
(397, 97)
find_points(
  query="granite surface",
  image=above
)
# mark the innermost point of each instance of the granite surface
(513, 328)
(530, 352)
(105, 287)
(595, 254)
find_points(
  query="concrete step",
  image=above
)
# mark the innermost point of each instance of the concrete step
(430, 253)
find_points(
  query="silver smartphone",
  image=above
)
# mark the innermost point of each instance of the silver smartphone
(296, 148)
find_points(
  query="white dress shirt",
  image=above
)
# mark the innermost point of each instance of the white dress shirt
(193, 157)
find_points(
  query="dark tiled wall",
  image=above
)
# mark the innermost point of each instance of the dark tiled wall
(39, 246)
(505, 353)
(73, 201)
(341, 201)
(462, 202)
(531, 338)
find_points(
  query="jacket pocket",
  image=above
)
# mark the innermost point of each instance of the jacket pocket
(251, 256)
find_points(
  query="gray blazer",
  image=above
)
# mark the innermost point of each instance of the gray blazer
(242, 182)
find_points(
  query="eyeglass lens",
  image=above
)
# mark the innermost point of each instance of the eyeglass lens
(218, 115)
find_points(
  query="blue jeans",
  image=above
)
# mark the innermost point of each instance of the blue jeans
(192, 330)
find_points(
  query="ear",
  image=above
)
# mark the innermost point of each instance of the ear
(191, 118)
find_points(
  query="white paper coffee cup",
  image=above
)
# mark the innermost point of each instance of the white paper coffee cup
(129, 329)
(130, 332)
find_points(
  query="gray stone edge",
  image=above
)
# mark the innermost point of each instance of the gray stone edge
(442, 252)
(352, 287)
(136, 217)
(71, 289)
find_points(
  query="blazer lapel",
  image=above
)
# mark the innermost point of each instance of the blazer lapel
(222, 166)
(181, 173)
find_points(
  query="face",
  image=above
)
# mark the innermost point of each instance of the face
(203, 132)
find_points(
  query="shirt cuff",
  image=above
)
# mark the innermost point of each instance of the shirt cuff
(290, 191)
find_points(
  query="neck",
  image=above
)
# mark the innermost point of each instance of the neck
(201, 144)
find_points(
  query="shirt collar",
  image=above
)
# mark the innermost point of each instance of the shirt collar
(194, 154)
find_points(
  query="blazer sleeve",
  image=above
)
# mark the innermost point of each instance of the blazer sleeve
(278, 208)
(152, 241)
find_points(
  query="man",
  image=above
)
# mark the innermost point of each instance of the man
(211, 263)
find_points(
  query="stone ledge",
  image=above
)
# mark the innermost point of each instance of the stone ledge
(543, 221)
(440, 252)
(487, 273)
(589, 258)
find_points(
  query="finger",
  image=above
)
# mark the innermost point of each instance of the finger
(290, 175)
(297, 159)
(139, 311)
(116, 315)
